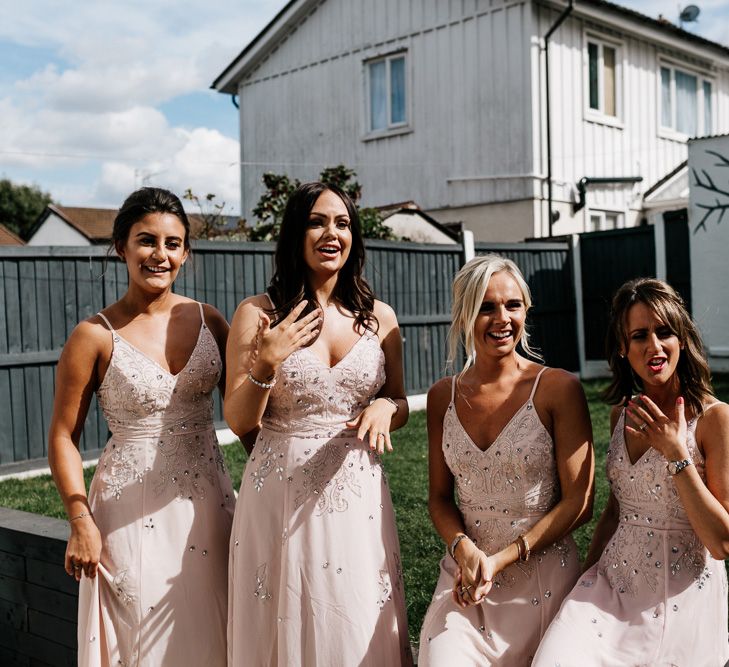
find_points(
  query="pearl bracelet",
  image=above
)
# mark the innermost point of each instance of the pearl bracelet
(259, 383)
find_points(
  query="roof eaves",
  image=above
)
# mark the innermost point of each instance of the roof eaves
(661, 182)
(293, 10)
(663, 26)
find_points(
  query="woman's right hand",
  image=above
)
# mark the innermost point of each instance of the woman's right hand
(474, 575)
(83, 550)
(273, 346)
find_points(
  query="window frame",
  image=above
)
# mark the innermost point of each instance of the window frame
(603, 214)
(599, 115)
(391, 128)
(702, 77)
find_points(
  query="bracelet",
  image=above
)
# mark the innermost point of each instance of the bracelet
(80, 516)
(262, 385)
(392, 401)
(456, 541)
(522, 547)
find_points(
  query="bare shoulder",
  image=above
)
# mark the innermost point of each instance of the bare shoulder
(439, 395)
(559, 383)
(715, 418)
(250, 308)
(385, 316)
(89, 339)
(615, 412)
(214, 318)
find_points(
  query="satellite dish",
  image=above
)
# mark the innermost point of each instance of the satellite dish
(690, 13)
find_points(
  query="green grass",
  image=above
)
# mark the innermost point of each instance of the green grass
(407, 469)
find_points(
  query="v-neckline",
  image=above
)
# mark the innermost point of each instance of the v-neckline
(625, 445)
(331, 368)
(501, 432)
(169, 373)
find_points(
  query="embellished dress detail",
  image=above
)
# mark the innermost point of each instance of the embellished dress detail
(164, 503)
(315, 573)
(502, 492)
(656, 597)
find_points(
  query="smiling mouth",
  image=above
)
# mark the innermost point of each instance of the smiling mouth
(155, 269)
(328, 250)
(500, 335)
(657, 364)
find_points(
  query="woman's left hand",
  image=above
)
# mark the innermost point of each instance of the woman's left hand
(655, 428)
(374, 422)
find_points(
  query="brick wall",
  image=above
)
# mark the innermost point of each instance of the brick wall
(38, 600)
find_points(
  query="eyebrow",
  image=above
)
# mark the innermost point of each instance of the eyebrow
(167, 238)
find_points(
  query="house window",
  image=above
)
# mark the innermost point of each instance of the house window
(387, 93)
(599, 221)
(685, 102)
(602, 78)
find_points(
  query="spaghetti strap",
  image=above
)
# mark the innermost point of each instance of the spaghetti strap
(536, 382)
(108, 324)
(270, 300)
(202, 315)
(453, 388)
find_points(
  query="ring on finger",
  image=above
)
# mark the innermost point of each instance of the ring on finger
(643, 426)
(380, 435)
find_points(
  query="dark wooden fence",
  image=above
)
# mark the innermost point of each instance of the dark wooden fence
(44, 292)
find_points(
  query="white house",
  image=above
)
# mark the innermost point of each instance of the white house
(445, 103)
(72, 226)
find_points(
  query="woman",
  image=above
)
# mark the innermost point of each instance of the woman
(150, 543)
(654, 592)
(514, 440)
(315, 377)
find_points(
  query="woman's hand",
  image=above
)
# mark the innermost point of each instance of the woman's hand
(273, 346)
(83, 550)
(655, 428)
(474, 576)
(375, 419)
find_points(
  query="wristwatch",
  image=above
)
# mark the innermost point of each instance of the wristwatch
(675, 467)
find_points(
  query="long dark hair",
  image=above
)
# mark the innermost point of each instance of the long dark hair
(692, 370)
(289, 285)
(142, 202)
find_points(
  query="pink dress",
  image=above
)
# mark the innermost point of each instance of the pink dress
(315, 575)
(164, 504)
(502, 491)
(656, 597)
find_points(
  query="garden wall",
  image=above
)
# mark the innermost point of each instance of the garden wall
(38, 600)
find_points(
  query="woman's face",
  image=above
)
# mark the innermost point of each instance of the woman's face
(328, 236)
(154, 251)
(500, 322)
(653, 349)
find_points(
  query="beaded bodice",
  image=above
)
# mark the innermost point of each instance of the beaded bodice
(507, 487)
(138, 394)
(654, 537)
(311, 397)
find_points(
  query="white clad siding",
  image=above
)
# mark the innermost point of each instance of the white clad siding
(581, 147)
(469, 103)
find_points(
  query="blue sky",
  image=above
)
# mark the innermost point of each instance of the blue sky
(97, 98)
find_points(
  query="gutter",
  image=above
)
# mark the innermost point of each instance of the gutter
(552, 216)
(586, 180)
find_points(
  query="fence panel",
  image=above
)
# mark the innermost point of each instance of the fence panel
(547, 269)
(608, 259)
(678, 253)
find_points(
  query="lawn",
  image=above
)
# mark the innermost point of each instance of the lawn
(407, 470)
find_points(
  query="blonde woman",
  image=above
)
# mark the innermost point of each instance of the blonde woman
(514, 439)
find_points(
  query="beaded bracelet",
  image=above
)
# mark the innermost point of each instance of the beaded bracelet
(259, 383)
(80, 516)
(393, 402)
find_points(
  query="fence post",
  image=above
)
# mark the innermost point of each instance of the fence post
(579, 306)
(469, 245)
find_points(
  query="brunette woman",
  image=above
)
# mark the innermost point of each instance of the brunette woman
(315, 379)
(513, 439)
(150, 542)
(655, 589)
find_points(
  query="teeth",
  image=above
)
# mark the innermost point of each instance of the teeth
(504, 334)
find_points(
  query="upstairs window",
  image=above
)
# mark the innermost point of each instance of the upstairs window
(686, 102)
(387, 93)
(602, 78)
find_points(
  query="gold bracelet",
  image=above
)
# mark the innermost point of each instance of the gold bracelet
(80, 516)
(523, 548)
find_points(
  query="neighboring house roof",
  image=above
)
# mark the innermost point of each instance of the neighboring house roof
(8, 237)
(410, 208)
(96, 224)
(294, 10)
(661, 183)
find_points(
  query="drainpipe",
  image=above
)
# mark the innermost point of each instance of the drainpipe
(560, 19)
(586, 180)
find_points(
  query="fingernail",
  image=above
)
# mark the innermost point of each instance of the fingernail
(680, 400)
